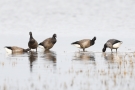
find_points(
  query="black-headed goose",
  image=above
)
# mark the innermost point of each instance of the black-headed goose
(112, 44)
(49, 42)
(15, 49)
(32, 42)
(85, 43)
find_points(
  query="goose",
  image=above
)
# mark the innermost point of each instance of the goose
(32, 42)
(49, 42)
(112, 44)
(84, 43)
(15, 49)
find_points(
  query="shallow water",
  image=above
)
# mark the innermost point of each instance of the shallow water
(77, 70)
(64, 67)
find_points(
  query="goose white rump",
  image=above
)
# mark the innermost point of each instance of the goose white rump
(77, 45)
(8, 50)
(117, 45)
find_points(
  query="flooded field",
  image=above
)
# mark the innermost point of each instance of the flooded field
(64, 67)
(77, 71)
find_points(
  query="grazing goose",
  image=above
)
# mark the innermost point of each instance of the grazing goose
(32, 42)
(15, 49)
(112, 44)
(85, 43)
(49, 42)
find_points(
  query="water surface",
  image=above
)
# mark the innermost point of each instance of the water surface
(64, 67)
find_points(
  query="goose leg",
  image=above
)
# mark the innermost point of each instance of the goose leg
(30, 49)
(116, 50)
(36, 49)
(83, 49)
(111, 50)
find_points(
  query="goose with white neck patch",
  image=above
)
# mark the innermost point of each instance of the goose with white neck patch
(49, 42)
(112, 44)
(15, 49)
(84, 43)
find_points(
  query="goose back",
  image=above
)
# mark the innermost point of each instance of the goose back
(113, 43)
(49, 42)
(85, 43)
(15, 49)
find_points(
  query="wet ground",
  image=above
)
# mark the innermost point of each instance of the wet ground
(64, 67)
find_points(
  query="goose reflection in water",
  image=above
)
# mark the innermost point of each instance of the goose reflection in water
(112, 56)
(108, 56)
(114, 59)
(32, 58)
(84, 56)
(50, 56)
